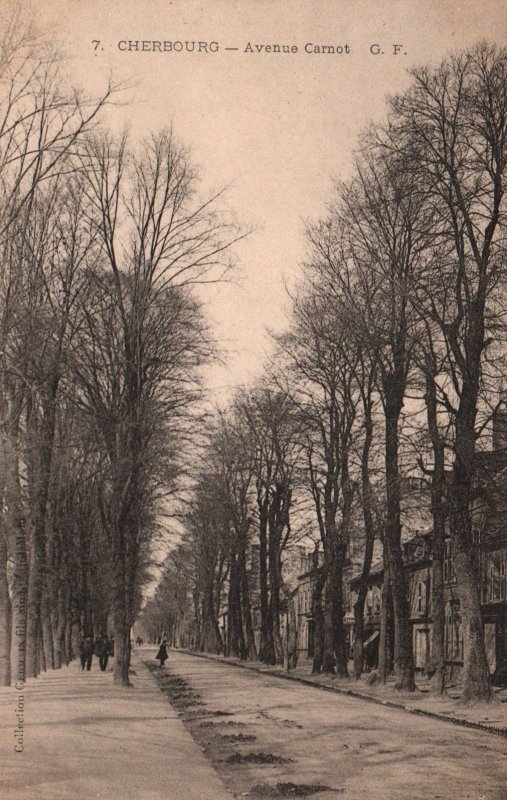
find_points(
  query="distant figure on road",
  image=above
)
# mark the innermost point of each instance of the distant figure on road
(162, 655)
(102, 651)
(110, 646)
(86, 652)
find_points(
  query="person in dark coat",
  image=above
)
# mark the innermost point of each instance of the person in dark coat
(82, 652)
(162, 654)
(86, 652)
(102, 651)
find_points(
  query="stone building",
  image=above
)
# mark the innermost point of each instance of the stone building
(489, 523)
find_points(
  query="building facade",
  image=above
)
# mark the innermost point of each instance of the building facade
(417, 555)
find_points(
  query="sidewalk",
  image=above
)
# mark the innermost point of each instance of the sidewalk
(491, 717)
(86, 739)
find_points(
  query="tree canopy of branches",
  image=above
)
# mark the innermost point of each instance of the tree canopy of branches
(102, 241)
(400, 320)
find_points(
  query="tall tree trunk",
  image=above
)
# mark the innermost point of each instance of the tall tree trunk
(384, 661)
(266, 646)
(360, 603)
(40, 456)
(369, 530)
(35, 588)
(47, 630)
(246, 608)
(328, 657)
(318, 617)
(41, 656)
(438, 547)
(403, 656)
(292, 633)
(5, 616)
(198, 618)
(274, 594)
(359, 632)
(121, 645)
(59, 640)
(236, 636)
(438, 615)
(19, 556)
(217, 604)
(476, 678)
(340, 633)
(120, 622)
(211, 638)
(72, 635)
(53, 577)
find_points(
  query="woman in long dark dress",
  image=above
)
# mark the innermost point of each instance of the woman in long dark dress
(162, 653)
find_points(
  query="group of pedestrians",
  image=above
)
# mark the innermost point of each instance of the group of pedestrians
(102, 647)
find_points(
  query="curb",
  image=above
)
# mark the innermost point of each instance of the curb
(352, 693)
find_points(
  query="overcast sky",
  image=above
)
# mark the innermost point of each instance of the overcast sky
(275, 127)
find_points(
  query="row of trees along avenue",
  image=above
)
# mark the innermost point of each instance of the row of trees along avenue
(102, 339)
(391, 365)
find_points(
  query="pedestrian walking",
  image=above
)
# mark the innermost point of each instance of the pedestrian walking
(102, 651)
(82, 652)
(162, 654)
(86, 652)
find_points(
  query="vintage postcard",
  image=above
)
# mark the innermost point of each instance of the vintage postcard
(253, 399)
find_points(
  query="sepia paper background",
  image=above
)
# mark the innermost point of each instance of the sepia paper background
(275, 128)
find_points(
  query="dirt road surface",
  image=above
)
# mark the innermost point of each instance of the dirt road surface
(272, 738)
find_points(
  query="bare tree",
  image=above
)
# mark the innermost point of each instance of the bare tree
(430, 357)
(320, 379)
(42, 118)
(235, 463)
(366, 376)
(206, 537)
(274, 438)
(450, 128)
(143, 337)
(371, 250)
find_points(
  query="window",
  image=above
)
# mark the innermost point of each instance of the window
(496, 586)
(460, 640)
(454, 644)
(448, 636)
(449, 569)
(369, 602)
(491, 582)
(420, 597)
